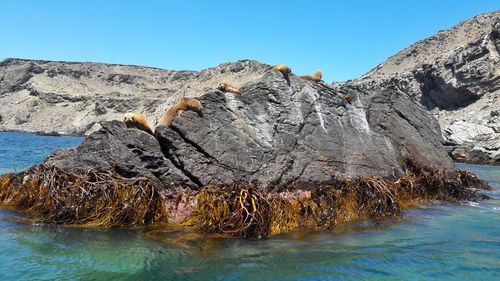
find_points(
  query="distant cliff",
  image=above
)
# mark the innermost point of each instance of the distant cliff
(456, 75)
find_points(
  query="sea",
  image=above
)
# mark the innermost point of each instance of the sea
(433, 242)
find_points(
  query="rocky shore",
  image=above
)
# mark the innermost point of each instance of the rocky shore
(285, 153)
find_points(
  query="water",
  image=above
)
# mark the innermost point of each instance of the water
(19, 151)
(435, 242)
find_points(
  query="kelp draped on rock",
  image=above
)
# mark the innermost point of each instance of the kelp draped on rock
(107, 199)
(93, 199)
(245, 212)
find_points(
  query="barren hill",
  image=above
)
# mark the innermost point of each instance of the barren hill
(456, 75)
(68, 97)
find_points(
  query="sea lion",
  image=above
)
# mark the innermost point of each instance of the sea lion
(138, 121)
(283, 68)
(316, 77)
(182, 105)
(225, 87)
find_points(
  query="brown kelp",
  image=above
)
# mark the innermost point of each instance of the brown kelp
(237, 212)
(107, 199)
(240, 211)
(428, 183)
(245, 212)
(93, 199)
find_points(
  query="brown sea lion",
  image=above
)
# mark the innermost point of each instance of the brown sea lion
(316, 77)
(138, 121)
(176, 110)
(283, 68)
(225, 87)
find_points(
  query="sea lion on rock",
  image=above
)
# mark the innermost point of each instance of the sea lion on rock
(225, 87)
(138, 121)
(283, 68)
(176, 110)
(316, 77)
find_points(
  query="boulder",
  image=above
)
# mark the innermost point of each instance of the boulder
(277, 133)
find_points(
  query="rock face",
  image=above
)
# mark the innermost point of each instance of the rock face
(130, 152)
(456, 75)
(278, 132)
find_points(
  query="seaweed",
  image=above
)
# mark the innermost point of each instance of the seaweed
(105, 199)
(101, 199)
(244, 212)
(237, 212)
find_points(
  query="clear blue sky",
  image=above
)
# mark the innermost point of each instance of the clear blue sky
(343, 38)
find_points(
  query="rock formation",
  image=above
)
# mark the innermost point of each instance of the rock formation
(456, 75)
(284, 153)
(272, 135)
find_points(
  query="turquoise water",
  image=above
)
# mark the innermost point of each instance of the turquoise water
(435, 242)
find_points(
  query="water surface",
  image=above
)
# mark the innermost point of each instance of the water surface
(434, 242)
(19, 151)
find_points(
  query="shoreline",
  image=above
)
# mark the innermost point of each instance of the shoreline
(44, 133)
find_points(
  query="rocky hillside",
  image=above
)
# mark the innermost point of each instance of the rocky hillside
(68, 98)
(456, 75)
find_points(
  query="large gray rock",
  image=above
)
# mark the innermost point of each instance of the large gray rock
(276, 133)
(456, 75)
(127, 151)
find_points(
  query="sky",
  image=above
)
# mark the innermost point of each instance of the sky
(345, 39)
